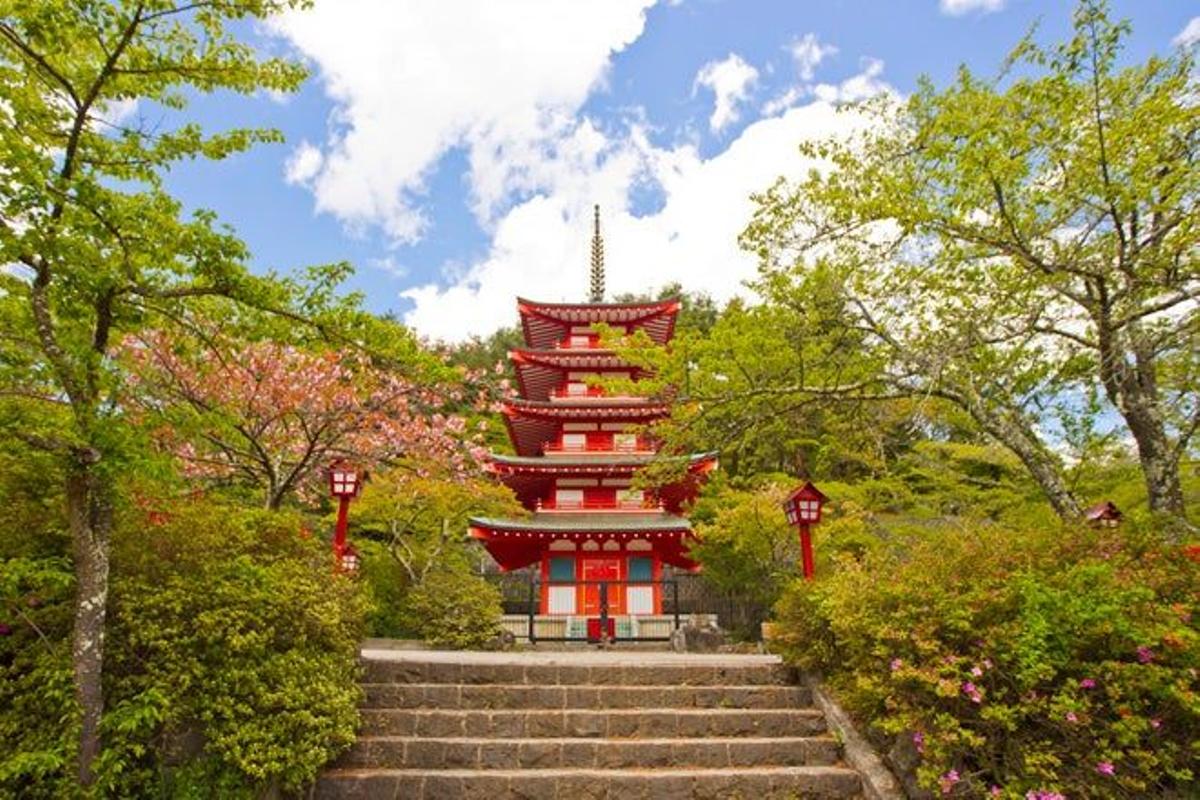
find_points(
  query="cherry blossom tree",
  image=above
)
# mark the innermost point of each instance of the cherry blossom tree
(273, 415)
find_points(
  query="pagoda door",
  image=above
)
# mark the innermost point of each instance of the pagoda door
(596, 571)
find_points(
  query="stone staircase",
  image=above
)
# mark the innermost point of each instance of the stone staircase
(586, 725)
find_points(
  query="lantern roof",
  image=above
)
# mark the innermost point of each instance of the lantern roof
(547, 324)
(1103, 512)
(807, 492)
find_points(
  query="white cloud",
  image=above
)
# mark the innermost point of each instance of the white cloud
(730, 80)
(865, 84)
(504, 84)
(303, 164)
(413, 80)
(957, 8)
(807, 52)
(540, 247)
(1189, 35)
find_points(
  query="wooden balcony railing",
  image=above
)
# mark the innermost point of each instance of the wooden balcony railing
(638, 504)
(592, 343)
(638, 447)
(586, 391)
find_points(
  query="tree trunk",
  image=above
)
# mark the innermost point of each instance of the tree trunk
(89, 511)
(1040, 463)
(1130, 378)
(1164, 491)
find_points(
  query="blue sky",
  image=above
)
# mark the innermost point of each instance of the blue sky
(452, 150)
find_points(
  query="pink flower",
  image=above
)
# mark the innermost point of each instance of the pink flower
(1106, 768)
(977, 672)
(994, 791)
(1156, 723)
(919, 742)
(972, 691)
(948, 780)
(1071, 717)
(1145, 655)
(896, 664)
(1038, 794)
(1087, 683)
(987, 663)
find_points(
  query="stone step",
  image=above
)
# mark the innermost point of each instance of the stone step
(756, 783)
(611, 723)
(650, 674)
(396, 752)
(496, 696)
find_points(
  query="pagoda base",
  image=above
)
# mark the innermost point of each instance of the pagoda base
(582, 628)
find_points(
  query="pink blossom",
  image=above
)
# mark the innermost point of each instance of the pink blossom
(972, 691)
(995, 791)
(1156, 723)
(1087, 683)
(896, 664)
(1071, 717)
(1106, 768)
(1038, 794)
(948, 780)
(919, 742)
(977, 672)
(987, 663)
(1145, 655)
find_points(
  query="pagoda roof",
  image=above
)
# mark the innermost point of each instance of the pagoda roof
(585, 522)
(641, 407)
(585, 463)
(540, 372)
(547, 324)
(516, 543)
(533, 478)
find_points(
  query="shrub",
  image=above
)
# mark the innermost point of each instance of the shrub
(452, 608)
(1030, 661)
(231, 670)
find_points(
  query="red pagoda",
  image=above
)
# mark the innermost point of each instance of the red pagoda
(577, 449)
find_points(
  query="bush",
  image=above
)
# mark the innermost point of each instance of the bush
(1029, 661)
(451, 608)
(231, 663)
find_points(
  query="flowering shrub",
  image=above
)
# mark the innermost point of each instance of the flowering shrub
(1021, 664)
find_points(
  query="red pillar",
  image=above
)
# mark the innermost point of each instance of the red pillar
(806, 551)
(339, 532)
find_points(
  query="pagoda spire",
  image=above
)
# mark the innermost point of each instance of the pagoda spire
(597, 295)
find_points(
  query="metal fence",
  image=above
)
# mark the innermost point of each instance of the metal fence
(681, 596)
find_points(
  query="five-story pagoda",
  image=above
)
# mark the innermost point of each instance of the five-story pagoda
(591, 535)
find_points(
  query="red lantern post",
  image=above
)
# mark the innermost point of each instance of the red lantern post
(345, 482)
(803, 508)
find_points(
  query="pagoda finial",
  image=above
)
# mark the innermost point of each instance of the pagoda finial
(597, 295)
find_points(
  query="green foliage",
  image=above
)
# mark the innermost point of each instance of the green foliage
(745, 544)
(452, 609)
(232, 659)
(420, 566)
(1027, 659)
(1021, 248)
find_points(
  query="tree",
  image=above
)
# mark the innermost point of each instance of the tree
(1009, 245)
(273, 415)
(421, 516)
(94, 248)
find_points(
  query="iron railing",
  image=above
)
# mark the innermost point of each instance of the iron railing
(683, 595)
(606, 611)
